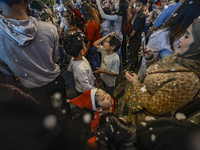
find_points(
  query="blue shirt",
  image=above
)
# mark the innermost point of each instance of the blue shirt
(166, 14)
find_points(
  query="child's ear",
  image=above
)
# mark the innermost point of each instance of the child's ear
(81, 52)
(113, 47)
(99, 109)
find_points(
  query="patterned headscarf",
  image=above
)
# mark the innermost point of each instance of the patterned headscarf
(191, 59)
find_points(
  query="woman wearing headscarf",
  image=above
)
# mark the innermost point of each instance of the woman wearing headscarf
(170, 83)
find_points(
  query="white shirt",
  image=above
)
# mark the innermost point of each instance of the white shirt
(109, 63)
(83, 75)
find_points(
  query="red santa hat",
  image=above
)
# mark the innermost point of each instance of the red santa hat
(86, 100)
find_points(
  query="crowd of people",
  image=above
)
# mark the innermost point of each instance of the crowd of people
(100, 38)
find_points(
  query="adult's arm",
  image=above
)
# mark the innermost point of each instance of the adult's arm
(107, 17)
(171, 93)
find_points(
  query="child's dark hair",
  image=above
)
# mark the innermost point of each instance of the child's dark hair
(114, 134)
(115, 41)
(75, 21)
(68, 10)
(144, 2)
(107, 10)
(35, 5)
(73, 44)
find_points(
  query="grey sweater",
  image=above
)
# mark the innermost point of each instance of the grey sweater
(29, 49)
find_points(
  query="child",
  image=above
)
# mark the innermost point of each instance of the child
(75, 25)
(110, 62)
(79, 66)
(134, 40)
(98, 101)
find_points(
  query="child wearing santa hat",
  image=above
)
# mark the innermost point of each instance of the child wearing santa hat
(97, 100)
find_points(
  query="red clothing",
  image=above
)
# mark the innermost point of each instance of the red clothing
(93, 32)
(78, 15)
(97, 115)
(94, 125)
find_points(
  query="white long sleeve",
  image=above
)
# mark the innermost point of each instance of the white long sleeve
(107, 17)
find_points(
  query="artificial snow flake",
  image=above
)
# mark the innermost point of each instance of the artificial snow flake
(174, 14)
(50, 121)
(190, 2)
(143, 89)
(166, 6)
(178, 72)
(173, 69)
(2, 47)
(56, 82)
(111, 127)
(158, 84)
(163, 61)
(95, 116)
(143, 124)
(57, 95)
(97, 138)
(87, 117)
(168, 96)
(98, 133)
(180, 116)
(150, 128)
(153, 137)
(16, 60)
(40, 40)
(107, 119)
(117, 132)
(106, 138)
(64, 111)
(174, 84)
(25, 74)
(149, 118)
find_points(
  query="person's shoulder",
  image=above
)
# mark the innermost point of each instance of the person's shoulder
(47, 26)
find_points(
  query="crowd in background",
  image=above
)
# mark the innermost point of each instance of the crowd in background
(158, 41)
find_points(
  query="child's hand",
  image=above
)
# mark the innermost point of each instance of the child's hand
(99, 70)
(131, 77)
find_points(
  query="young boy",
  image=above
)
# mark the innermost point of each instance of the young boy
(110, 62)
(79, 66)
(134, 39)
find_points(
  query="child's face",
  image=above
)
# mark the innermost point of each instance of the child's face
(67, 16)
(106, 45)
(139, 7)
(104, 99)
(73, 28)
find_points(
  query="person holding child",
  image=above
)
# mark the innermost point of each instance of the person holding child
(110, 62)
(79, 66)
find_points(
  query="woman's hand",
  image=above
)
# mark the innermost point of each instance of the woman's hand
(131, 77)
(148, 51)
